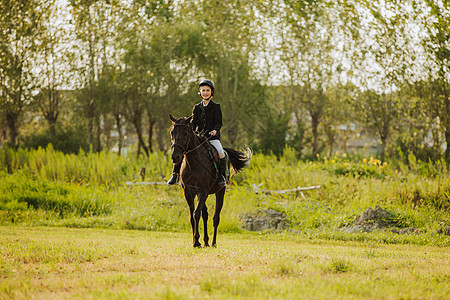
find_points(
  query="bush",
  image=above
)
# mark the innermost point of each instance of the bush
(66, 140)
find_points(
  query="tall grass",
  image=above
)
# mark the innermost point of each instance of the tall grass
(104, 168)
(47, 187)
(18, 192)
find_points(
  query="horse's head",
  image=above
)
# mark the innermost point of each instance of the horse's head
(180, 135)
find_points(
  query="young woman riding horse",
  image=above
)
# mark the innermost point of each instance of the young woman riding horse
(198, 174)
(195, 161)
(207, 118)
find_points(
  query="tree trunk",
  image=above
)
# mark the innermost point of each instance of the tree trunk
(447, 141)
(329, 131)
(300, 134)
(91, 100)
(314, 127)
(232, 134)
(90, 116)
(119, 130)
(162, 131)
(447, 124)
(3, 134)
(151, 125)
(51, 110)
(331, 146)
(140, 137)
(98, 126)
(383, 149)
(11, 120)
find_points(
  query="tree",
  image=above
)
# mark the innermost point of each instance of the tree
(307, 54)
(95, 30)
(383, 64)
(230, 30)
(52, 62)
(438, 48)
(338, 112)
(176, 51)
(160, 54)
(418, 123)
(19, 21)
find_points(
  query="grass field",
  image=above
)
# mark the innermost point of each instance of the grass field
(70, 228)
(67, 263)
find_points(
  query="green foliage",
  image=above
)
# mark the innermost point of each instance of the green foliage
(273, 136)
(66, 140)
(147, 57)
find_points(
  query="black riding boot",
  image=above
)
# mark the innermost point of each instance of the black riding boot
(221, 180)
(175, 173)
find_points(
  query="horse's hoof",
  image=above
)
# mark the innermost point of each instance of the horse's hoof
(197, 245)
(206, 245)
(214, 245)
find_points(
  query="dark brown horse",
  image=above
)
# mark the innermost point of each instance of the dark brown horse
(199, 173)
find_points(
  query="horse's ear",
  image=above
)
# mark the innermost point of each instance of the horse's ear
(172, 118)
(189, 119)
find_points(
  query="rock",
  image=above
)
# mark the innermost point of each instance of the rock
(265, 220)
(377, 219)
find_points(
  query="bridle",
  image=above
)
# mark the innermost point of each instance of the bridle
(184, 150)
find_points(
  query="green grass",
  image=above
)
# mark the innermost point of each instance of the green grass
(104, 168)
(70, 228)
(44, 262)
(47, 188)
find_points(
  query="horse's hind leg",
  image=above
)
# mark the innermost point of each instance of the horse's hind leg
(219, 204)
(205, 225)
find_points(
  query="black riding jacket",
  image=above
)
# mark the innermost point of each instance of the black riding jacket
(207, 118)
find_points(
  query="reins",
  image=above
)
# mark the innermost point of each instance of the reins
(206, 139)
(185, 152)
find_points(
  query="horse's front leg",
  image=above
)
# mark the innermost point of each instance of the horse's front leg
(216, 219)
(205, 225)
(190, 196)
(197, 213)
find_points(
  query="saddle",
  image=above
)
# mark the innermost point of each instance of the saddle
(213, 154)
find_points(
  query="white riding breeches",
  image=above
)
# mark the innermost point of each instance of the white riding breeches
(219, 148)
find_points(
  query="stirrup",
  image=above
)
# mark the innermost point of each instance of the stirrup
(173, 180)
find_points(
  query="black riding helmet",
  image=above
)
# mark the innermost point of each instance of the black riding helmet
(208, 83)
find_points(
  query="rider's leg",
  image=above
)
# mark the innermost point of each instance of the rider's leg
(222, 170)
(175, 174)
(221, 180)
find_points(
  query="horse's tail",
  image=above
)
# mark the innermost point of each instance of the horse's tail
(239, 160)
